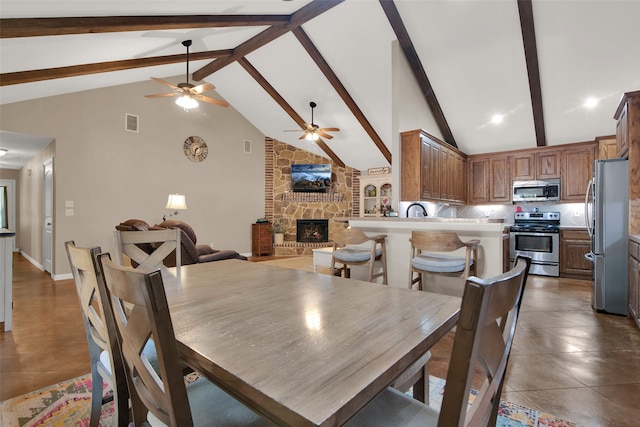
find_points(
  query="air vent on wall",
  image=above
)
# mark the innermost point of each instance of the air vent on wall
(131, 122)
(247, 146)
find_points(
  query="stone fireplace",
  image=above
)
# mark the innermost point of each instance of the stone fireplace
(312, 230)
(284, 207)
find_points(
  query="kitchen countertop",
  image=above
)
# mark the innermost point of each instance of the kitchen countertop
(425, 219)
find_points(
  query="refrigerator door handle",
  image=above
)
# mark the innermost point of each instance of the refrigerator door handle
(589, 221)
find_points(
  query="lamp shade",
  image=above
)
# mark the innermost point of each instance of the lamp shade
(176, 202)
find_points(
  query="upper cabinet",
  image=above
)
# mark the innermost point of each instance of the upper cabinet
(607, 147)
(628, 137)
(489, 179)
(577, 170)
(431, 170)
(491, 175)
(529, 165)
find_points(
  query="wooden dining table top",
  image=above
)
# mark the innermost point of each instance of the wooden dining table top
(300, 348)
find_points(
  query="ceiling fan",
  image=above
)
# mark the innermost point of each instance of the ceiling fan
(188, 94)
(313, 131)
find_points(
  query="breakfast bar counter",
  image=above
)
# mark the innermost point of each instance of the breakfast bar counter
(398, 230)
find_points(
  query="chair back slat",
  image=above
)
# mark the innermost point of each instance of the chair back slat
(164, 243)
(483, 340)
(436, 241)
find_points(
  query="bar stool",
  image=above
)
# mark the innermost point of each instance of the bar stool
(353, 247)
(426, 256)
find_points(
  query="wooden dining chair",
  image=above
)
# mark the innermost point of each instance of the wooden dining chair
(159, 396)
(352, 246)
(482, 343)
(427, 255)
(106, 365)
(147, 249)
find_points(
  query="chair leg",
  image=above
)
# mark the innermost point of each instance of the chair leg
(384, 266)
(96, 397)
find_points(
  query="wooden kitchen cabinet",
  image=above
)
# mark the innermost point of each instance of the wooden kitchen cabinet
(622, 130)
(375, 194)
(577, 171)
(261, 239)
(607, 147)
(530, 165)
(633, 292)
(489, 179)
(431, 170)
(574, 244)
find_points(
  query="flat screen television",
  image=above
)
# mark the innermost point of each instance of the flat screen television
(311, 178)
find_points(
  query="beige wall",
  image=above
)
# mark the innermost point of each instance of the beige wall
(112, 175)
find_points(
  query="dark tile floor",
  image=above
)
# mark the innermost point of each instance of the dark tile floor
(566, 360)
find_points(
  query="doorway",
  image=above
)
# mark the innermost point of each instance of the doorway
(47, 214)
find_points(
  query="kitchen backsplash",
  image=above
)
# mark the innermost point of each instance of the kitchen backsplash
(571, 214)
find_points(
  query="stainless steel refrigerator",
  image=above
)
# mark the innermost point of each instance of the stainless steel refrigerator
(607, 218)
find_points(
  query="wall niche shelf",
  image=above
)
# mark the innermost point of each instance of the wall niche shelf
(312, 197)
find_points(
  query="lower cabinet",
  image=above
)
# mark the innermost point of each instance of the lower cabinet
(633, 294)
(261, 239)
(574, 244)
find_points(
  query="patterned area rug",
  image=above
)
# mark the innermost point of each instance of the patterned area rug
(69, 404)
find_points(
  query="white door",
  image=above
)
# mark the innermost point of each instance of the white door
(47, 235)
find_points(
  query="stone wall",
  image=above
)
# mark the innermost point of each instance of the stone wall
(283, 207)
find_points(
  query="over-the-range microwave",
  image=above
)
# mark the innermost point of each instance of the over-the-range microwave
(547, 190)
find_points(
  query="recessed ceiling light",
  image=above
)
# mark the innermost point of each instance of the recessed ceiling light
(497, 119)
(591, 102)
(3, 152)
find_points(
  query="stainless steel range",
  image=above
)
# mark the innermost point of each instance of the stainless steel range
(537, 235)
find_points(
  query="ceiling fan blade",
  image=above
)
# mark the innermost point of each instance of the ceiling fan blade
(166, 83)
(212, 100)
(324, 135)
(293, 130)
(329, 130)
(205, 87)
(304, 135)
(162, 95)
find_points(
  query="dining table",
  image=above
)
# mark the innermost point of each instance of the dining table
(299, 348)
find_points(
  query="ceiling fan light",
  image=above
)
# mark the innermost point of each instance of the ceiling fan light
(187, 102)
(312, 136)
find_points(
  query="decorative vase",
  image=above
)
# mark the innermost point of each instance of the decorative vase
(278, 238)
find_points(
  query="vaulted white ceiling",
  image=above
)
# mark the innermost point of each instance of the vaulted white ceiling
(471, 51)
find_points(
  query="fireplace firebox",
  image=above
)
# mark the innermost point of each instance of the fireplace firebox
(312, 230)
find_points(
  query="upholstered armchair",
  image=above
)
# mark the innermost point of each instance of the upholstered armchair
(191, 252)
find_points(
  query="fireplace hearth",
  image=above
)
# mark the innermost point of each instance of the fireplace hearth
(312, 230)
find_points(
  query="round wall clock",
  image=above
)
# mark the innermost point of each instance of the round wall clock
(195, 149)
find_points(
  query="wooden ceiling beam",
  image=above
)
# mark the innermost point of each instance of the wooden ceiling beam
(418, 70)
(19, 77)
(525, 9)
(37, 27)
(301, 16)
(253, 72)
(317, 57)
